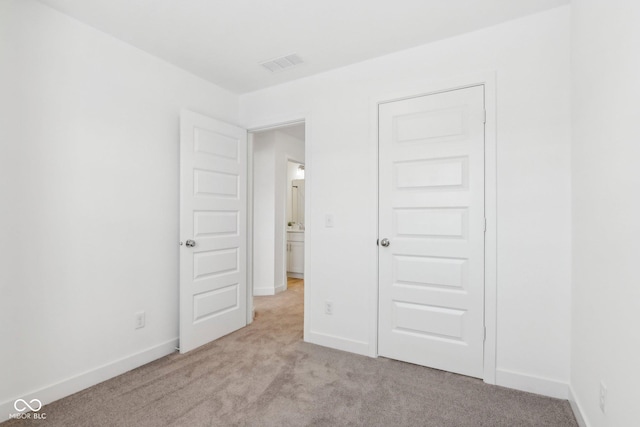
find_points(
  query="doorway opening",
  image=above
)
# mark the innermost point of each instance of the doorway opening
(295, 221)
(276, 210)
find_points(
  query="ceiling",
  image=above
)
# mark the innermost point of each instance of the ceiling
(224, 41)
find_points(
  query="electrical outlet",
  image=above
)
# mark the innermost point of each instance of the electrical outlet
(603, 396)
(328, 307)
(140, 320)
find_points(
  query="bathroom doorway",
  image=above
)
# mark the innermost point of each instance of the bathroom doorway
(295, 220)
(276, 207)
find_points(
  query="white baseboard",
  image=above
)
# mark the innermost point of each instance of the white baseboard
(269, 290)
(577, 409)
(74, 384)
(332, 341)
(295, 275)
(263, 291)
(532, 384)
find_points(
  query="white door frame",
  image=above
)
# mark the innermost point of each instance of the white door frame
(422, 88)
(251, 129)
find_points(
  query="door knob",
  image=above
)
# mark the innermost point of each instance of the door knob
(191, 243)
(383, 242)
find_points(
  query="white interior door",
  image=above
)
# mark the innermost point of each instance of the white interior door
(431, 205)
(213, 218)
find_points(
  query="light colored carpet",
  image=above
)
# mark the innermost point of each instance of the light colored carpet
(264, 375)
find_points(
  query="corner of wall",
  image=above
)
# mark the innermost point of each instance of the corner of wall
(338, 343)
(532, 384)
(577, 409)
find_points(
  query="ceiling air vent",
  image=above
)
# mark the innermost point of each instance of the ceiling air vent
(282, 63)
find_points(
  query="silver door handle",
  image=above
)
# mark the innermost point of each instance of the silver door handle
(191, 243)
(385, 242)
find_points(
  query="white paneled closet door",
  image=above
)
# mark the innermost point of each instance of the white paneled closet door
(431, 230)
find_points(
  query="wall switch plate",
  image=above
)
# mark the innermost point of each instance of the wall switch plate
(603, 396)
(328, 220)
(140, 320)
(328, 307)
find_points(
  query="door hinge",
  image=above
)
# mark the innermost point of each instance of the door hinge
(484, 336)
(485, 225)
(484, 118)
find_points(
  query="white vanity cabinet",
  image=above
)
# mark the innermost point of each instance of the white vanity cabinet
(295, 254)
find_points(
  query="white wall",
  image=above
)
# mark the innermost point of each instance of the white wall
(531, 58)
(606, 208)
(272, 149)
(264, 212)
(88, 201)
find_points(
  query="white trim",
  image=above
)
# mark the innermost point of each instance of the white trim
(76, 383)
(338, 343)
(491, 235)
(251, 291)
(277, 123)
(532, 384)
(426, 87)
(264, 291)
(577, 409)
(308, 234)
(267, 290)
(295, 275)
(374, 102)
